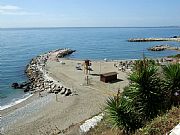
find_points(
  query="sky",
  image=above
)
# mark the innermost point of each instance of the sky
(89, 13)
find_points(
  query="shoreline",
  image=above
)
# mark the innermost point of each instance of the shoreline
(62, 57)
(45, 110)
(38, 75)
(13, 103)
(12, 106)
(21, 111)
(49, 114)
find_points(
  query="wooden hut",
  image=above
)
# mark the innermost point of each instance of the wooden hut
(108, 77)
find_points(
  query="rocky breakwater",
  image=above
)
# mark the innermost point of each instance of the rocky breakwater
(39, 79)
(163, 47)
(153, 39)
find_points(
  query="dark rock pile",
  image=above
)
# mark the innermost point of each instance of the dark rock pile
(65, 53)
(176, 39)
(159, 48)
(163, 47)
(38, 77)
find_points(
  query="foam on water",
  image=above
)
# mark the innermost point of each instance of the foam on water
(15, 102)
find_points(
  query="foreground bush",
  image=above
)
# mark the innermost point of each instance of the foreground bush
(162, 124)
(172, 81)
(146, 90)
(147, 96)
(121, 114)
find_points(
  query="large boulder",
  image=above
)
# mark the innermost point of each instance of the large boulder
(15, 85)
(68, 92)
(28, 88)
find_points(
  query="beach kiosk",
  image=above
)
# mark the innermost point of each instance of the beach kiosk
(108, 77)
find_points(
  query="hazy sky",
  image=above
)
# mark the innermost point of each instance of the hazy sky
(93, 13)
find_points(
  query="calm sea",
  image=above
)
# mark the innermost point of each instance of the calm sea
(18, 46)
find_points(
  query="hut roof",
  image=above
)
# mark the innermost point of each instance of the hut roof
(109, 74)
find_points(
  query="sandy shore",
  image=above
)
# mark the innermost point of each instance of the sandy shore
(45, 115)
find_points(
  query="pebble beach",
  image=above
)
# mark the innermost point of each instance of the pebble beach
(46, 111)
(61, 99)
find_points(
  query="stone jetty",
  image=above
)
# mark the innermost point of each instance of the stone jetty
(163, 47)
(38, 76)
(153, 39)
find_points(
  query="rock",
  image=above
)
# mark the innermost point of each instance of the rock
(163, 47)
(23, 85)
(159, 48)
(177, 39)
(56, 92)
(68, 92)
(27, 89)
(15, 85)
(36, 73)
(63, 92)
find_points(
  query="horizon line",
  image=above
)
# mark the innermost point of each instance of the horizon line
(89, 27)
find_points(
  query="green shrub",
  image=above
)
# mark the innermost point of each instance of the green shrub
(162, 124)
(172, 81)
(122, 114)
(146, 97)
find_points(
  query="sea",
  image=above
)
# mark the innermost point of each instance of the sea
(19, 45)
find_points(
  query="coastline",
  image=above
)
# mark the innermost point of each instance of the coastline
(24, 102)
(20, 112)
(33, 95)
(46, 111)
(13, 103)
(40, 68)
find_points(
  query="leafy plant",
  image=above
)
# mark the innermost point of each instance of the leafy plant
(146, 89)
(161, 125)
(144, 98)
(172, 80)
(122, 114)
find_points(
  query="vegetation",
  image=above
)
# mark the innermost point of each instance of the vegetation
(158, 126)
(104, 127)
(146, 90)
(147, 96)
(162, 124)
(175, 56)
(172, 81)
(122, 114)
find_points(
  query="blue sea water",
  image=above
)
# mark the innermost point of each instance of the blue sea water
(19, 46)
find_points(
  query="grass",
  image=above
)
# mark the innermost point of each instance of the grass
(103, 128)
